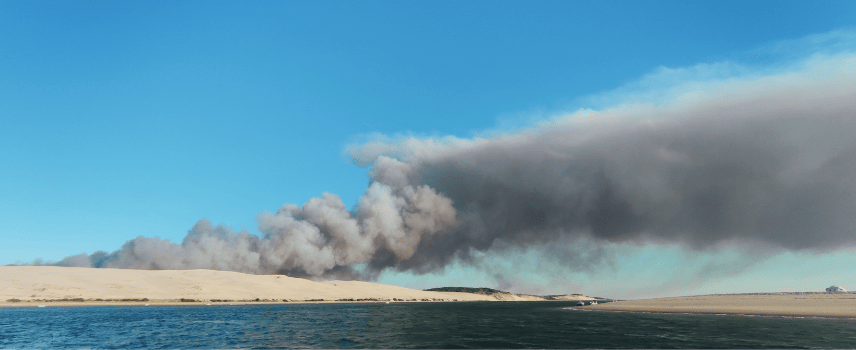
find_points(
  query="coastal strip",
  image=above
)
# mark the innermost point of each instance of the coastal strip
(71, 286)
(36, 286)
(767, 304)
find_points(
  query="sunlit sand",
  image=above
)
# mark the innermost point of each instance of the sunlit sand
(52, 286)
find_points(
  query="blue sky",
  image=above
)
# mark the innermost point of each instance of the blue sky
(126, 119)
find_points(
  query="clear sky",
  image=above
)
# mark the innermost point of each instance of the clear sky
(121, 119)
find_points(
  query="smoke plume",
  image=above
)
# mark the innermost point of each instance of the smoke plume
(768, 161)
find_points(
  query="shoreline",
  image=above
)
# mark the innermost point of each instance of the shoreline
(717, 313)
(796, 304)
(93, 303)
(176, 302)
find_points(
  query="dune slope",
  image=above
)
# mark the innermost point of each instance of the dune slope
(29, 283)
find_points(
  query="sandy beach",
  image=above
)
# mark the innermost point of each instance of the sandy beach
(784, 304)
(64, 286)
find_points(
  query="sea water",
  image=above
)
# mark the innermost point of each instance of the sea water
(405, 325)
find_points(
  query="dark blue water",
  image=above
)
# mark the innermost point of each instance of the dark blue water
(434, 325)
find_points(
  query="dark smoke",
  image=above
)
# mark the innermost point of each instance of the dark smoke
(769, 161)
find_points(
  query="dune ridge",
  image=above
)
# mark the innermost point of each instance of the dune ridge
(70, 286)
(52, 285)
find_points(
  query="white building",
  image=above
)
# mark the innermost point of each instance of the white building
(835, 289)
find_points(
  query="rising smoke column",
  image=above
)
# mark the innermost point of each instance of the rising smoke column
(767, 160)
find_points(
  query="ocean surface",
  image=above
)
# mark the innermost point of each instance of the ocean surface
(400, 325)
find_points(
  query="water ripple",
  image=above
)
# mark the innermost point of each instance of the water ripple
(434, 325)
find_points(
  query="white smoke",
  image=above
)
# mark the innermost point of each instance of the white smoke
(310, 240)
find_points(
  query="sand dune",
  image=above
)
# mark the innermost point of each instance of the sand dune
(45, 285)
(37, 284)
(790, 304)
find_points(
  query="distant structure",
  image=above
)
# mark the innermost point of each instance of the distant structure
(835, 289)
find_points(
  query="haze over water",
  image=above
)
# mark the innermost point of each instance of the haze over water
(444, 325)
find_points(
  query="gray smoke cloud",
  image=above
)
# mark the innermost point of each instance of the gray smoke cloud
(767, 161)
